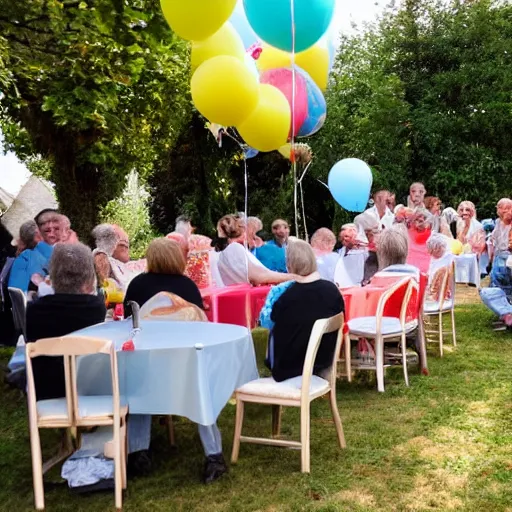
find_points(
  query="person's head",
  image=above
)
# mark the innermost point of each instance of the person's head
(181, 240)
(165, 256)
(300, 258)
(391, 202)
(323, 240)
(65, 229)
(50, 227)
(281, 230)
(433, 205)
(380, 199)
(466, 210)
(422, 219)
(393, 247)
(105, 238)
(72, 269)
(253, 225)
(29, 234)
(44, 216)
(367, 223)
(122, 250)
(183, 225)
(231, 227)
(348, 234)
(403, 215)
(417, 193)
(437, 245)
(507, 215)
(503, 204)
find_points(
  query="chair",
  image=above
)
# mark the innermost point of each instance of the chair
(19, 310)
(443, 306)
(382, 328)
(296, 392)
(74, 411)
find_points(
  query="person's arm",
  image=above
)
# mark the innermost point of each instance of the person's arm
(261, 275)
(19, 277)
(102, 266)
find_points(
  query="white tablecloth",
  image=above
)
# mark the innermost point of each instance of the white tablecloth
(467, 269)
(184, 368)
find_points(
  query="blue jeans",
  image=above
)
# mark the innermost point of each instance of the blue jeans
(139, 435)
(496, 297)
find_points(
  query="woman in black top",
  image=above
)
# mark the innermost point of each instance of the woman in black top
(165, 267)
(296, 311)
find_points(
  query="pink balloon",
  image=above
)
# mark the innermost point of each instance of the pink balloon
(282, 78)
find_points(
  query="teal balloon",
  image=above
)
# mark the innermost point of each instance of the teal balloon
(350, 181)
(272, 21)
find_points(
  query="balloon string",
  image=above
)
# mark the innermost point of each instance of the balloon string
(294, 163)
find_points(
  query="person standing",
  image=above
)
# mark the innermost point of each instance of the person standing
(380, 209)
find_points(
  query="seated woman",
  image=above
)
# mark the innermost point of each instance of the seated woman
(419, 232)
(291, 311)
(439, 225)
(469, 231)
(322, 243)
(236, 264)
(165, 267)
(392, 252)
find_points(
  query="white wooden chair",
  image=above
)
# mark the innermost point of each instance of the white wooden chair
(74, 411)
(382, 328)
(296, 392)
(446, 305)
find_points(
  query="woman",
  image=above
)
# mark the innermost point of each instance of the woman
(434, 206)
(419, 232)
(441, 259)
(291, 316)
(393, 250)
(236, 264)
(469, 231)
(369, 230)
(322, 243)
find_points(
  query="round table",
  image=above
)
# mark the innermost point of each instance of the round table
(187, 369)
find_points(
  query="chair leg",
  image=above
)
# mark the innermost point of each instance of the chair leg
(124, 451)
(404, 359)
(337, 419)
(454, 337)
(305, 424)
(118, 474)
(238, 429)
(440, 320)
(37, 468)
(348, 362)
(276, 420)
(379, 362)
(423, 346)
(170, 430)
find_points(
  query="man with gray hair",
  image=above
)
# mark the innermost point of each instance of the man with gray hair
(30, 260)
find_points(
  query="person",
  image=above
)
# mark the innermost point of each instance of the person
(351, 264)
(416, 196)
(469, 231)
(347, 238)
(380, 209)
(122, 250)
(67, 235)
(165, 268)
(392, 251)
(403, 215)
(181, 240)
(292, 314)
(440, 260)
(73, 306)
(322, 243)
(419, 232)
(270, 255)
(30, 261)
(106, 240)
(237, 265)
(49, 227)
(368, 233)
(281, 232)
(434, 206)
(501, 232)
(183, 225)
(391, 202)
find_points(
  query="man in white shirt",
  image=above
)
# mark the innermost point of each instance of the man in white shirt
(380, 209)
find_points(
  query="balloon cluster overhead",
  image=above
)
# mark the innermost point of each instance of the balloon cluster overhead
(260, 66)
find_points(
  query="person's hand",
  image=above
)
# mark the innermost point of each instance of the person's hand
(37, 279)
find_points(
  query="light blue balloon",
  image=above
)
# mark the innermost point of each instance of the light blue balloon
(242, 26)
(250, 152)
(272, 21)
(350, 181)
(317, 108)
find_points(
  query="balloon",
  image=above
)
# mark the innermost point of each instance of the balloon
(272, 21)
(317, 108)
(251, 64)
(250, 152)
(350, 181)
(456, 247)
(267, 127)
(241, 24)
(224, 90)
(225, 41)
(196, 19)
(282, 78)
(286, 150)
(272, 58)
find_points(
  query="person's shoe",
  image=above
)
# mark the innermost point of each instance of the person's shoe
(214, 468)
(139, 463)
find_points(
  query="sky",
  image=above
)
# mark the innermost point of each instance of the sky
(13, 174)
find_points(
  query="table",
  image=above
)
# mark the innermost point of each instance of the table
(187, 369)
(467, 269)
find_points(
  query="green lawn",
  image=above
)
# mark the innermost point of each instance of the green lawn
(445, 443)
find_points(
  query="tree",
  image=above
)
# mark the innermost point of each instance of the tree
(97, 88)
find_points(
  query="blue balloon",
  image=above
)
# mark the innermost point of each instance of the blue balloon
(317, 108)
(242, 26)
(350, 181)
(250, 152)
(272, 21)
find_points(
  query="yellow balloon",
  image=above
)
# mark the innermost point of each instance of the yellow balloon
(456, 247)
(267, 127)
(314, 60)
(224, 90)
(225, 41)
(196, 19)
(286, 150)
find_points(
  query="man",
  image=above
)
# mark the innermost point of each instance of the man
(350, 268)
(280, 232)
(47, 221)
(391, 202)
(380, 209)
(416, 196)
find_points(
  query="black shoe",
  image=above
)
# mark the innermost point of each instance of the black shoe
(139, 463)
(214, 468)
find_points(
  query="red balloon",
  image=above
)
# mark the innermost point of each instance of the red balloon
(282, 78)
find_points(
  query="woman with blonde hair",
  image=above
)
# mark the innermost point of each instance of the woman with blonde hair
(322, 243)
(469, 230)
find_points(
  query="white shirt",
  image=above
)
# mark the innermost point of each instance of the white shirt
(233, 264)
(386, 221)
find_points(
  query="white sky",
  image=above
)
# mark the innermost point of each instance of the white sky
(13, 174)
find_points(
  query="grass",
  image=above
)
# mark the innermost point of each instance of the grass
(445, 444)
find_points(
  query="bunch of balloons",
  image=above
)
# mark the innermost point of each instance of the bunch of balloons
(258, 65)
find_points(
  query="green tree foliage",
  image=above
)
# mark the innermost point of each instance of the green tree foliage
(96, 87)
